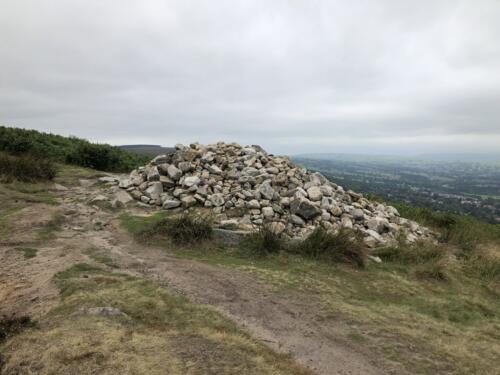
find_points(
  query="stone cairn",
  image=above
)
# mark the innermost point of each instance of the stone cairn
(246, 187)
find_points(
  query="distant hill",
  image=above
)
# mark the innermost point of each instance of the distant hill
(445, 157)
(150, 150)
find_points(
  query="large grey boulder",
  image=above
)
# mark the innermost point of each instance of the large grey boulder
(266, 190)
(123, 197)
(154, 190)
(188, 201)
(314, 193)
(191, 181)
(171, 203)
(304, 208)
(153, 174)
(378, 224)
(217, 200)
(173, 172)
(125, 183)
(167, 182)
(358, 214)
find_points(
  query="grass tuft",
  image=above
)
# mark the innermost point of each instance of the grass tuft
(341, 247)
(98, 257)
(264, 241)
(433, 270)
(419, 253)
(483, 264)
(187, 228)
(28, 252)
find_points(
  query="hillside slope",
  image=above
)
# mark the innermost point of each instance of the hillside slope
(67, 252)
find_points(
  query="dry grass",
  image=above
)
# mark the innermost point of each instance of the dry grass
(162, 334)
(424, 307)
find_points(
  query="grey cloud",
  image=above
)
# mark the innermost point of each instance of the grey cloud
(364, 75)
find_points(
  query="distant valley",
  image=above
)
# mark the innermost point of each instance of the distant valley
(439, 182)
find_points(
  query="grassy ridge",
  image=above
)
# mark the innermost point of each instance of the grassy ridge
(68, 150)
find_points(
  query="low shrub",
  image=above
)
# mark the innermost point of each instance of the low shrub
(102, 157)
(25, 168)
(264, 241)
(69, 150)
(184, 229)
(344, 246)
(11, 327)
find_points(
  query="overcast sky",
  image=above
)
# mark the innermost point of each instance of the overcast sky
(380, 76)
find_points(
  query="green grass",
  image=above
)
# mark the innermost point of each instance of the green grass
(136, 225)
(179, 229)
(97, 256)
(433, 308)
(460, 230)
(5, 214)
(343, 247)
(70, 174)
(263, 242)
(161, 333)
(22, 193)
(28, 252)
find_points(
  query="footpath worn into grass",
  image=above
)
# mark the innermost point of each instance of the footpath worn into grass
(433, 308)
(160, 332)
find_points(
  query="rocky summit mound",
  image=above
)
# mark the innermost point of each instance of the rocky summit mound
(246, 187)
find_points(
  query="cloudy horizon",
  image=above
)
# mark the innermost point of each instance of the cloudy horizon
(388, 77)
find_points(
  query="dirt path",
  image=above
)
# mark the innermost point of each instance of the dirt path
(288, 322)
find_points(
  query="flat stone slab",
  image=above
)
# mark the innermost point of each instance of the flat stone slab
(230, 237)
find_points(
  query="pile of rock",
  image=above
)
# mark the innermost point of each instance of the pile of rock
(246, 187)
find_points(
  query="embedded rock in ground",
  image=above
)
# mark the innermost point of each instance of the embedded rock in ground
(126, 183)
(171, 203)
(99, 198)
(248, 188)
(103, 311)
(123, 197)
